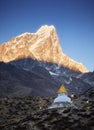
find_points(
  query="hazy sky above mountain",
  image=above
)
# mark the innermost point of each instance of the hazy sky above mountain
(73, 20)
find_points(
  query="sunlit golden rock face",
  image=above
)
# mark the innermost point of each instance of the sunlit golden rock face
(43, 45)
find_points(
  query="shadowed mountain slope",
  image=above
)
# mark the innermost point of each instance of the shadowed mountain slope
(39, 79)
(17, 82)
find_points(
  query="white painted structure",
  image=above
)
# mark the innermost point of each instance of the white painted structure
(62, 100)
(62, 97)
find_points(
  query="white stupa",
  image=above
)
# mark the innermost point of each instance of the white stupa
(62, 100)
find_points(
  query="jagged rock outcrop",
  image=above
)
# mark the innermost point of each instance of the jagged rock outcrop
(43, 45)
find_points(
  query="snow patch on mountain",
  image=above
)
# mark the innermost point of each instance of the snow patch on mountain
(52, 73)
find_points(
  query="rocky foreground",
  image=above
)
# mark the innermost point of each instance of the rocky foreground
(30, 113)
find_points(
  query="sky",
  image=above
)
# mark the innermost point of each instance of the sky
(73, 20)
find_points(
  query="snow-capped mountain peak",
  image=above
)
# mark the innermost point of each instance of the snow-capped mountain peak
(43, 45)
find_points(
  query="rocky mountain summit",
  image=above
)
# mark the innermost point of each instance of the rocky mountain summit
(43, 46)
